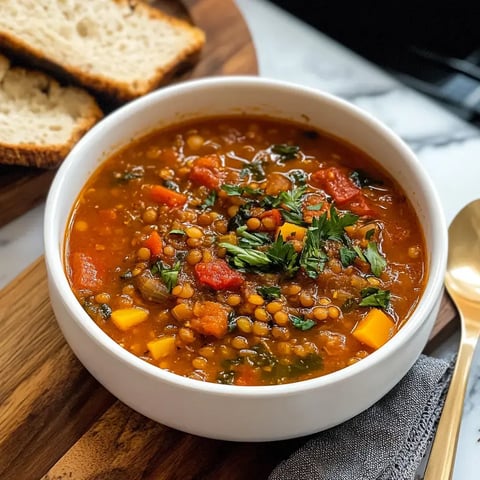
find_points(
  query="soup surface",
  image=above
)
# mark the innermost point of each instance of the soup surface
(245, 251)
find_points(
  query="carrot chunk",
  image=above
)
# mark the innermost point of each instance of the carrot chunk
(154, 244)
(86, 274)
(218, 275)
(165, 196)
(374, 329)
(210, 318)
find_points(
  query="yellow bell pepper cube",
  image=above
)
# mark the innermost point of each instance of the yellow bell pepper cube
(125, 318)
(290, 231)
(374, 329)
(161, 347)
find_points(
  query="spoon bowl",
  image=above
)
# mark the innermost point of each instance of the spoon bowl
(462, 280)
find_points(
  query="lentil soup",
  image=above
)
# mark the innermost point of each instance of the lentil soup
(246, 251)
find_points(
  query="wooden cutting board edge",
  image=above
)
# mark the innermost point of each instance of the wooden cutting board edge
(81, 431)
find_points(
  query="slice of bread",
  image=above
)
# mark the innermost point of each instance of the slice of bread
(40, 120)
(119, 48)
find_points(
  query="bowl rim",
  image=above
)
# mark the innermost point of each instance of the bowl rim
(54, 249)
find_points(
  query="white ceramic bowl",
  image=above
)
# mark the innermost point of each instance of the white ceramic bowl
(231, 412)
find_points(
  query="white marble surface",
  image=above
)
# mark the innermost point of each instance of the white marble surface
(449, 148)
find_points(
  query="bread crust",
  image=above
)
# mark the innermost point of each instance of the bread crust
(106, 86)
(48, 155)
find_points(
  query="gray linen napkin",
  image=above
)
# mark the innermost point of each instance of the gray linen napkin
(386, 442)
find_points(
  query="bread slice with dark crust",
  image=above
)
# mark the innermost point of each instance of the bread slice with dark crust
(40, 120)
(120, 49)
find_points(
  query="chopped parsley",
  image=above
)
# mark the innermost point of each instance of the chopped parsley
(248, 239)
(286, 152)
(374, 297)
(375, 259)
(239, 190)
(269, 293)
(176, 232)
(169, 274)
(254, 169)
(347, 256)
(302, 323)
(209, 202)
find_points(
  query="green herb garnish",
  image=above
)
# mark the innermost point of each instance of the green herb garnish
(255, 169)
(231, 321)
(176, 232)
(209, 202)
(302, 323)
(239, 190)
(286, 152)
(347, 256)
(269, 293)
(374, 297)
(375, 259)
(248, 239)
(169, 274)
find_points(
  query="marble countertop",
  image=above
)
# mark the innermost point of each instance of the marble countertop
(448, 147)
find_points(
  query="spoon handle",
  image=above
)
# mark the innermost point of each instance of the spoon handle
(442, 457)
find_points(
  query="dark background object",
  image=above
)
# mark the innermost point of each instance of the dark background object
(414, 41)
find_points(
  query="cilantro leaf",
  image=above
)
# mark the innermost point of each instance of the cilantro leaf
(313, 258)
(240, 218)
(254, 169)
(291, 203)
(169, 274)
(246, 258)
(375, 259)
(269, 293)
(248, 239)
(286, 152)
(301, 323)
(171, 185)
(176, 231)
(298, 177)
(209, 201)
(283, 256)
(374, 297)
(334, 227)
(239, 190)
(347, 256)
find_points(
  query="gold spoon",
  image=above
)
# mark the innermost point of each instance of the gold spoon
(463, 284)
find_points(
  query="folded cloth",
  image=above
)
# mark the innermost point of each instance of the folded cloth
(386, 442)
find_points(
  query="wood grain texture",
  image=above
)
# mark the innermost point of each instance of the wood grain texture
(58, 423)
(229, 50)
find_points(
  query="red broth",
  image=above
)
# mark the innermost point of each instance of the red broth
(246, 251)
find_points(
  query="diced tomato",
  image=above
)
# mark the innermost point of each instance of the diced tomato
(218, 275)
(206, 172)
(86, 274)
(154, 244)
(210, 318)
(341, 188)
(165, 196)
(274, 214)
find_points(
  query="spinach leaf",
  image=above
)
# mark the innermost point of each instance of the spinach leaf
(374, 297)
(302, 323)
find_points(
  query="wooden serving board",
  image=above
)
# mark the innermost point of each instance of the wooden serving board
(228, 50)
(58, 423)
